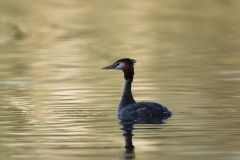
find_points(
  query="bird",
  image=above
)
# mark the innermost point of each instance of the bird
(128, 107)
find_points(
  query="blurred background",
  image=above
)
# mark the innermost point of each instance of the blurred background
(56, 102)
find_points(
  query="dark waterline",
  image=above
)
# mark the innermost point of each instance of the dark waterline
(56, 102)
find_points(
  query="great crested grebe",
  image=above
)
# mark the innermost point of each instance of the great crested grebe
(128, 107)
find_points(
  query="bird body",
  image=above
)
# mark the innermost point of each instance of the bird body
(128, 107)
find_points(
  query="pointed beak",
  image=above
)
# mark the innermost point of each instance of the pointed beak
(108, 67)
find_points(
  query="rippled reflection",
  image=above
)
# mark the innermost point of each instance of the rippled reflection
(127, 133)
(127, 127)
(56, 103)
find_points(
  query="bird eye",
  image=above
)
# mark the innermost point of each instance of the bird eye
(116, 64)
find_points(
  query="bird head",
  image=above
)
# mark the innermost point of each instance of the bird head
(126, 65)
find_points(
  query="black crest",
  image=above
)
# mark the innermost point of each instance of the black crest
(131, 61)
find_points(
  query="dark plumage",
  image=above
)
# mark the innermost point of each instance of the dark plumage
(128, 60)
(128, 107)
(143, 110)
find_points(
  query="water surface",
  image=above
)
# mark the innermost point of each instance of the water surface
(57, 103)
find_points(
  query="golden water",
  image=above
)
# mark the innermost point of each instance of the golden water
(57, 103)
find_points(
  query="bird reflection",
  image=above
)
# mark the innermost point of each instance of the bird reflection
(127, 127)
(129, 148)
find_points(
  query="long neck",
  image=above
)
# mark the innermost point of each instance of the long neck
(127, 97)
